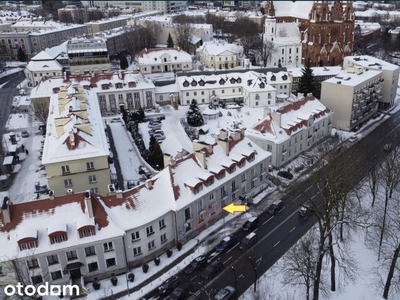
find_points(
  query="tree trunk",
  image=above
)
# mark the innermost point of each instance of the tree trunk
(383, 226)
(391, 271)
(318, 270)
(333, 263)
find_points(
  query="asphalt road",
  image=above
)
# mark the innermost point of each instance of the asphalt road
(8, 92)
(277, 234)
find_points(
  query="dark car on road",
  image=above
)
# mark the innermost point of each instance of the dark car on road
(249, 241)
(212, 269)
(305, 210)
(225, 293)
(275, 207)
(227, 243)
(168, 285)
(285, 174)
(180, 293)
(251, 224)
(196, 264)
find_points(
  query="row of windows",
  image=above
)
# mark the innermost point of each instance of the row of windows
(150, 245)
(213, 92)
(89, 166)
(71, 255)
(110, 262)
(149, 230)
(92, 179)
(41, 74)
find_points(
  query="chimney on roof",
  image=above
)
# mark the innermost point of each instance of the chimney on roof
(149, 184)
(72, 139)
(88, 203)
(119, 194)
(201, 158)
(5, 210)
(236, 135)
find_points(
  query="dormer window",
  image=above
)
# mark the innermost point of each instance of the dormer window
(198, 188)
(251, 157)
(105, 86)
(194, 82)
(232, 169)
(273, 78)
(284, 77)
(242, 162)
(86, 231)
(175, 58)
(239, 80)
(201, 82)
(132, 84)
(232, 81)
(262, 85)
(118, 85)
(56, 238)
(186, 83)
(221, 81)
(155, 58)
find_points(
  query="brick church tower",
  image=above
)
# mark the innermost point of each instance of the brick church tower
(327, 34)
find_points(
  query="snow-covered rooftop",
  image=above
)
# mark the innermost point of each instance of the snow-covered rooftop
(216, 48)
(38, 219)
(370, 62)
(352, 79)
(155, 56)
(75, 129)
(292, 118)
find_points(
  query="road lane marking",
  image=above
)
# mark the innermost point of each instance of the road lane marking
(193, 278)
(293, 229)
(277, 244)
(308, 188)
(268, 220)
(258, 260)
(240, 276)
(232, 248)
(312, 197)
(227, 260)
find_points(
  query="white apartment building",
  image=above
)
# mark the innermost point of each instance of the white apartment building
(162, 60)
(292, 129)
(42, 66)
(390, 76)
(354, 95)
(252, 88)
(287, 40)
(129, 89)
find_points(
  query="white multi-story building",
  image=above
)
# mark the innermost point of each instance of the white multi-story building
(390, 75)
(87, 56)
(87, 236)
(163, 60)
(354, 95)
(292, 129)
(129, 89)
(287, 41)
(219, 55)
(252, 88)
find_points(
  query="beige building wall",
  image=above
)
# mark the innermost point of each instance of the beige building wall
(79, 175)
(353, 104)
(89, 68)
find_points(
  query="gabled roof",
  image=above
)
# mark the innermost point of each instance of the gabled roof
(153, 56)
(37, 219)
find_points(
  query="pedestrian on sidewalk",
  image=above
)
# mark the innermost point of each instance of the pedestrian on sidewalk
(23, 148)
(26, 151)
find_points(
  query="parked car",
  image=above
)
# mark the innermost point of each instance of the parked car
(251, 224)
(248, 241)
(168, 285)
(305, 210)
(159, 136)
(180, 293)
(353, 139)
(285, 174)
(225, 293)
(196, 264)
(275, 207)
(154, 125)
(227, 243)
(24, 134)
(212, 269)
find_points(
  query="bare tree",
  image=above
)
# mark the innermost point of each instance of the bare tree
(183, 33)
(65, 16)
(300, 261)
(267, 50)
(41, 107)
(390, 179)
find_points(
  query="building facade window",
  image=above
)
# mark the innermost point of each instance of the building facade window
(110, 262)
(161, 223)
(149, 230)
(90, 251)
(90, 165)
(92, 179)
(93, 266)
(56, 275)
(108, 246)
(71, 255)
(52, 259)
(163, 238)
(67, 182)
(137, 251)
(135, 236)
(151, 245)
(32, 263)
